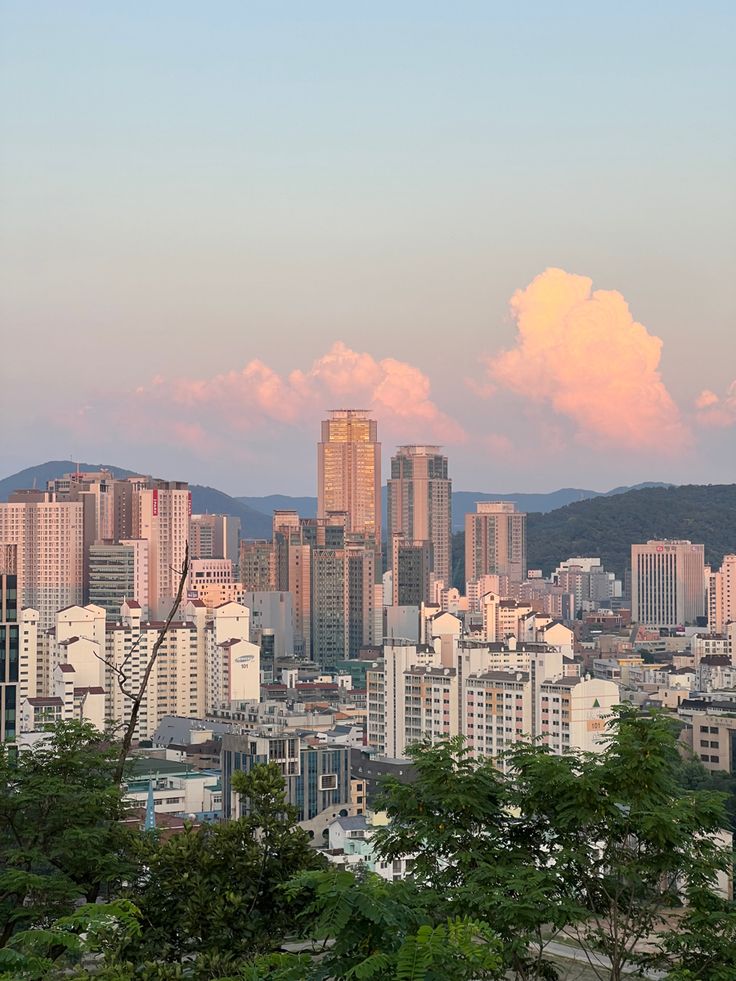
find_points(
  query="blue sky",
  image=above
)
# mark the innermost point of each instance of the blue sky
(188, 189)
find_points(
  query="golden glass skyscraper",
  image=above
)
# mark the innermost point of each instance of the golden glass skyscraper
(349, 471)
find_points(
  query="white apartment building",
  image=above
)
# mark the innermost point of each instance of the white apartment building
(493, 694)
(205, 661)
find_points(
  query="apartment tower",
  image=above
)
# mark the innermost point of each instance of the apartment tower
(495, 541)
(420, 505)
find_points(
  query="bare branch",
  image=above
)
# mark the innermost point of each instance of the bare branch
(137, 700)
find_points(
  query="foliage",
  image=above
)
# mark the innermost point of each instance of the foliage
(52, 951)
(218, 887)
(371, 928)
(703, 946)
(61, 839)
(694, 776)
(598, 845)
(608, 526)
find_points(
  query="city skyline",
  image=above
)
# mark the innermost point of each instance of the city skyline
(482, 226)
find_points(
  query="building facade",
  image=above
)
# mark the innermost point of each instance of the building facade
(667, 583)
(419, 506)
(495, 541)
(349, 471)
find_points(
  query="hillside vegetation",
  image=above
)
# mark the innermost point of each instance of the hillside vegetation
(608, 526)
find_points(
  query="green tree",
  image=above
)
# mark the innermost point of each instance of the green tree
(218, 887)
(366, 927)
(624, 840)
(472, 849)
(61, 837)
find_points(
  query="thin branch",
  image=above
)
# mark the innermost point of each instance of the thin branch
(138, 699)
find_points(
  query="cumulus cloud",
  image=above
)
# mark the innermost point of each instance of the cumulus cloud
(580, 352)
(712, 410)
(198, 413)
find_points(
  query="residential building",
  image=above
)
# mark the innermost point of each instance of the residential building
(667, 583)
(161, 516)
(48, 536)
(419, 506)
(411, 571)
(495, 541)
(722, 596)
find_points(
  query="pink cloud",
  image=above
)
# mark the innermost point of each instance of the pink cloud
(712, 410)
(580, 353)
(195, 412)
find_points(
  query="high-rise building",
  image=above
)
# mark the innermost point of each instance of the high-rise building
(420, 504)
(493, 694)
(722, 596)
(667, 583)
(411, 564)
(349, 471)
(257, 572)
(9, 657)
(214, 536)
(112, 576)
(49, 539)
(161, 516)
(495, 541)
(342, 598)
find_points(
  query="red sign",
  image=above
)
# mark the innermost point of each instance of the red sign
(189, 505)
(155, 503)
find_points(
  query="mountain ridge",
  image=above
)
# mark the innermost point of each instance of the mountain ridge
(255, 511)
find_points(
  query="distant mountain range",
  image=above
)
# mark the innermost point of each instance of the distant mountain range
(205, 500)
(462, 501)
(255, 512)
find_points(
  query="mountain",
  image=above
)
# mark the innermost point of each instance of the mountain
(254, 524)
(306, 506)
(608, 526)
(462, 501)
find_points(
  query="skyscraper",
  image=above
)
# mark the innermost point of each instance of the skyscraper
(161, 514)
(495, 541)
(49, 536)
(420, 504)
(349, 471)
(667, 583)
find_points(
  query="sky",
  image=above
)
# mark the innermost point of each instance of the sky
(508, 228)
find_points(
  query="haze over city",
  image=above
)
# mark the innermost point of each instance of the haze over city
(510, 233)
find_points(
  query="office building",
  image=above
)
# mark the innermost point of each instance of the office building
(316, 778)
(112, 577)
(257, 565)
(667, 583)
(495, 541)
(419, 505)
(349, 471)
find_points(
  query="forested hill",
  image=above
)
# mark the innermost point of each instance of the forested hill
(608, 526)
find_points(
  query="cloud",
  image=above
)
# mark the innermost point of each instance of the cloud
(202, 413)
(580, 352)
(712, 410)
